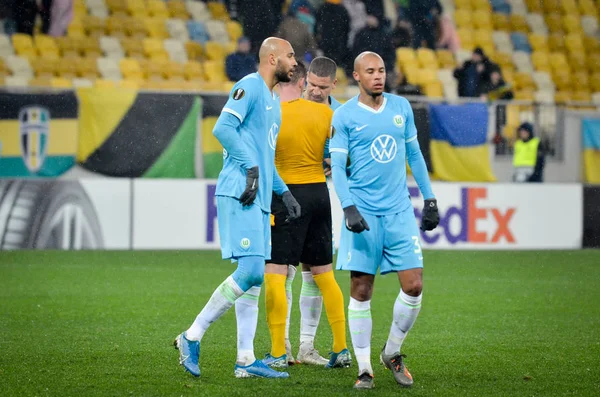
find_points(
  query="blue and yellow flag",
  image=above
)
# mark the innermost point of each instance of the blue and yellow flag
(459, 151)
(591, 149)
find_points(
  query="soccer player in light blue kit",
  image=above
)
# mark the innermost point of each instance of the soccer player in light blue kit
(377, 132)
(247, 128)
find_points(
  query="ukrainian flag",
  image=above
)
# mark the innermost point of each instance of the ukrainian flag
(458, 146)
(591, 150)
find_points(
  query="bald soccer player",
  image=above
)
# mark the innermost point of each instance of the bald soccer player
(305, 128)
(377, 132)
(247, 128)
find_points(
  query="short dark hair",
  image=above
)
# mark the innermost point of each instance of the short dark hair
(323, 67)
(299, 72)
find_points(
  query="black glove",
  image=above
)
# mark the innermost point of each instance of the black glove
(292, 206)
(249, 195)
(354, 220)
(431, 216)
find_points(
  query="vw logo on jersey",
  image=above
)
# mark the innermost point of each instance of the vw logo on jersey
(384, 149)
(398, 121)
(273, 133)
(225, 154)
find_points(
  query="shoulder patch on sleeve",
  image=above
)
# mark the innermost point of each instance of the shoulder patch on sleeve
(331, 132)
(238, 94)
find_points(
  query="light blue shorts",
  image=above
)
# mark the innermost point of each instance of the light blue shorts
(243, 231)
(392, 245)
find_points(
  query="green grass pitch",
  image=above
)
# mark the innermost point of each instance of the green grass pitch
(102, 324)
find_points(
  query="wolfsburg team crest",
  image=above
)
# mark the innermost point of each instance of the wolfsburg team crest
(34, 127)
(398, 120)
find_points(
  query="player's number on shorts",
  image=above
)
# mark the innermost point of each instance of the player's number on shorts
(417, 244)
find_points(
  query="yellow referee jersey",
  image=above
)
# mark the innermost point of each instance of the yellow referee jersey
(305, 127)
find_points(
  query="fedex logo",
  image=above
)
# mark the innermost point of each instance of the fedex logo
(468, 214)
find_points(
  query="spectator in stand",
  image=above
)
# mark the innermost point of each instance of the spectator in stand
(240, 63)
(374, 38)
(446, 35)
(402, 34)
(404, 88)
(528, 158)
(474, 75)
(497, 89)
(375, 8)
(358, 18)
(61, 15)
(331, 31)
(419, 12)
(297, 32)
(24, 14)
(260, 19)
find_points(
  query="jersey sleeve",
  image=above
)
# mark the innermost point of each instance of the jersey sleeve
(410, 132)
(242, 97)
(339, 134)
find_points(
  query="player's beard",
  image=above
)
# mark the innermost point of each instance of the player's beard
(281, 75)
(372, 94)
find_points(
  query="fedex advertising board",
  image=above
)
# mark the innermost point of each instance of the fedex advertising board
(504, 216)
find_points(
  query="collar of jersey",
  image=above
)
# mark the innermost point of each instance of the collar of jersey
(370, 109)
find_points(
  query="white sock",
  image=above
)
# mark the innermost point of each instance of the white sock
(288, 293)
(246, 314)
(361, 325)
(406, 310)
(220, 301)
(311, 305)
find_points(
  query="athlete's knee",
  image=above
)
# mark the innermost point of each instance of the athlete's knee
(250, 272)
(361, 287)
(413, 287)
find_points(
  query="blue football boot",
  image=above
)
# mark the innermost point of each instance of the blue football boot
(258, 369)
(189, 354)
(275, 362)
(342, 359)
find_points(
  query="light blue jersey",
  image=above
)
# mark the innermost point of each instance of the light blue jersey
(334, 103)
(259, 113)
(375, 143)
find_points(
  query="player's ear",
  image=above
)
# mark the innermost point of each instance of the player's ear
(355, 75)
(334, 83)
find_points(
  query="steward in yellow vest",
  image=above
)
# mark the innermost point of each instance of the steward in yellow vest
(528, 158)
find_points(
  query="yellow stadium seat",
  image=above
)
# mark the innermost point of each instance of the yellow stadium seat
(156, 27)
(67, 68)
(115, 26)
(534, 6)
(445, 59)
(44, 68)
(67, 46)
(558, 61)
(158, 8)
(129, 84)
(409, 66)
(519, 23)
(105, 84)
(554, 23)
(434, 89)
(159, 56)
(580, 81)
(94, 26)
(524, 95)
(426, 58)
(228, 86)
(593, 63)
(91, 48)
(130, 69)
(587, 7)
(426, 76)
(483, 38)
(591, 44)
(572, 24)
(463, 4)
(136, 8)
(574, 42)
(551, 6)
(482, 19)
(538, 42)
(43, 41)
(154, 70)
(230, 47)
(59, 82)
(577, 61)
(540, 60)
(194, 50)
(214, 71)
(192, 70)
(466, 39)
(218, 10)
(152, 45)
(463, 18)
(500, 22)
(562, 79)
(87, 68)
(76, 30)
(583, 96)
(173, 71)
(405, 55)
(135, 27)
(595, 82)
(116, 6)
(569, 7)
(340, 75)
(412, 74)
(234, 29)
(503, 59)
(133, 48)
(215, 51)
(177, 9)
(524, 81)
(556, 42)
(40, 82)
(483, 5)
(22, 42)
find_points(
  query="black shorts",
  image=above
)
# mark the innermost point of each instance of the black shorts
(308, 239)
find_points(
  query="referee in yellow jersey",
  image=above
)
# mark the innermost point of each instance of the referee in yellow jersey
(305, 128)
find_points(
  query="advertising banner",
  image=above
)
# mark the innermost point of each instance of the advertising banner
(591, 150)
(38, 134)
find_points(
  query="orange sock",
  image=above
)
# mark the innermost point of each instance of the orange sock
(276, 301)
(334, 307)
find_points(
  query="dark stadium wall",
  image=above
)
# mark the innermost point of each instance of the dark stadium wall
(591, 217)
